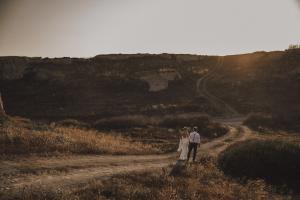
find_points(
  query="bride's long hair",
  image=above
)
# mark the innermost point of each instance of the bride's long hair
(184, 133)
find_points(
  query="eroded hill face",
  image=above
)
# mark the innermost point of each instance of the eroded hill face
(101, 86)
(109, 85)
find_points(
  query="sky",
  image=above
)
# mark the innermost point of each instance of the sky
(85, 28)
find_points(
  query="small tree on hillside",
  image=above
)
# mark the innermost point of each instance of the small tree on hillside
(2, 111)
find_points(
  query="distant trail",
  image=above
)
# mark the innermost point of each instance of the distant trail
(75, 170)
(201, 86)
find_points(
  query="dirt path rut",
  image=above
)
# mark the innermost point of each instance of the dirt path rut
(201, 87)
(74, 170)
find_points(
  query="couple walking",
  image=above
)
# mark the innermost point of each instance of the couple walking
(188, 142)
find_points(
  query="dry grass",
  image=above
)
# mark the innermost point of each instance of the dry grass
(198, 181)
(44, 139)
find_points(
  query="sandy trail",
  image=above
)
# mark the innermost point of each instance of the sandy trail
(74, 170)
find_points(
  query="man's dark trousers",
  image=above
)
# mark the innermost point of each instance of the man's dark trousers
(192, 146)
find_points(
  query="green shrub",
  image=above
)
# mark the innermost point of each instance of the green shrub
(294, 46)
(276, 161)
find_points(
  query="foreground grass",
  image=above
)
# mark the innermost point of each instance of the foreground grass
(29, 139)
(198, 181)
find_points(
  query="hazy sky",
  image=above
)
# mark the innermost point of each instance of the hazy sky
(84, 28)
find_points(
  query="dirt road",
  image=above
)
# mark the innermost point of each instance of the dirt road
(74, 170)
(201, 87)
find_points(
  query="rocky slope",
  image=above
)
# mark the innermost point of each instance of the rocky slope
(108, 85)
(105, 85)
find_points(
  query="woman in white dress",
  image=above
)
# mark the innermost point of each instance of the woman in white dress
(183, 144)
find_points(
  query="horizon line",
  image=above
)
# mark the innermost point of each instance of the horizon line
(145, 53)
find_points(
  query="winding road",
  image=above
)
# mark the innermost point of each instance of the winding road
(64, 172)
(202, 91)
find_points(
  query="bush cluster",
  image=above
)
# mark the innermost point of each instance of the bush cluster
(260, 121)
(294, 46)
(274, 160)
(205, 126)
(257, 121)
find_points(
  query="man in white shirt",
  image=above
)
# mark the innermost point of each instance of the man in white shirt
(194, 140)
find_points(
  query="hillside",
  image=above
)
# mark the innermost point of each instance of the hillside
(260, 82)
(110, 85)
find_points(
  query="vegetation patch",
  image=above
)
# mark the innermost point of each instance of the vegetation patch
(181, 121)
(17, 139)
(206, 127)
(261, 121)
(121, 122)
(273, 160)
(73, 123)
